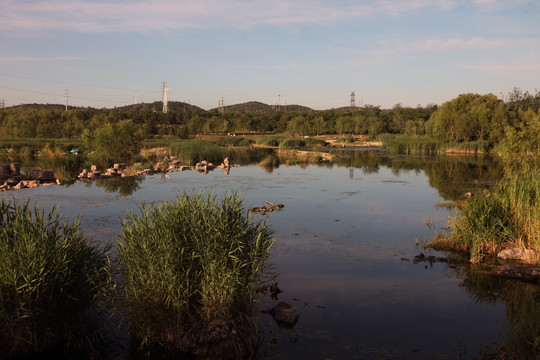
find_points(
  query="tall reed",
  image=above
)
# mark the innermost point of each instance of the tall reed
(194, 151)
(188, 264)
(510, 217)
(54, 285)
(65, 167)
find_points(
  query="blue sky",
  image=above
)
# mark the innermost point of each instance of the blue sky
(308, 52)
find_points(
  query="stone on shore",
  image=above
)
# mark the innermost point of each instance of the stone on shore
(522, 254)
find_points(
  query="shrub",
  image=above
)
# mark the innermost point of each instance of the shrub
(292, 143)
(189, 264)
(269, 140)
(53, 283)
(194, 151)
(65, 167)
(235, 141)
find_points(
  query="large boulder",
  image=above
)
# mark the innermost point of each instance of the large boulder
(522, 254)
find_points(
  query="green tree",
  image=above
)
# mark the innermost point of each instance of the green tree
(113, 143)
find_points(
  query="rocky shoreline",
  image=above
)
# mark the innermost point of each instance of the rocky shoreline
(11, 177)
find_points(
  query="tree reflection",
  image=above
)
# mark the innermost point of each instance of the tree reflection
(124, 186)
(521, 339)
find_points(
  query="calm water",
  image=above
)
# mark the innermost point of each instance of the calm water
(345, 242)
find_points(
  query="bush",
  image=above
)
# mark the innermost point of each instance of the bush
(65, 167)
(191, 263)
(235, 141)
(316, 142)
(269, 140)
(52, 282)
(194, 151)
(292, 143)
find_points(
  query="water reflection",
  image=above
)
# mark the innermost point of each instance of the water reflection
(521, 338)
(124, 186)
(345, 244)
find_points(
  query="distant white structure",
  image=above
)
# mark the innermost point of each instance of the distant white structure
(165, 98)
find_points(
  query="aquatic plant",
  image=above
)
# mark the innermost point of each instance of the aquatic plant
(235, 141)
(510, 217)
(193, 151)
(269, 140)
(54, 284)
(292, 143)
(190, 265)
(65, 167)
(403, 144)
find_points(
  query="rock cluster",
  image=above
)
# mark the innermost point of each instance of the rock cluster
(11, 178)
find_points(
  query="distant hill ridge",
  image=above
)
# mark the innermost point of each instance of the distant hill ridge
(178, 106)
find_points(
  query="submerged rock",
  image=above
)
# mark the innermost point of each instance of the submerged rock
(285, 314)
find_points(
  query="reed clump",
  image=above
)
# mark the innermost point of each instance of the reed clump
(192, 266)
(403, 144)
(235, 141)
(273, 141)
(193, 151)
(65, 167)
(510, 217)
(54, 285)
(292, 143)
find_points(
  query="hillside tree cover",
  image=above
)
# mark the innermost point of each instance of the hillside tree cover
(468, 117)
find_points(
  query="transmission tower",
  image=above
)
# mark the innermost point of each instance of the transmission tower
(353, 100)
(2, 104)
(165, 99)
(66, 98)
(221, 106)
(135, 99)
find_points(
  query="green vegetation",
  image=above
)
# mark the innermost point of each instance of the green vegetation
(113, 143)
(235, 141)
(54, 284)
(193, 151)
(270, 162)
(65, 167)
(403, 144)
(269, 140)
(292, 143)
(188, 265)
(509, 217)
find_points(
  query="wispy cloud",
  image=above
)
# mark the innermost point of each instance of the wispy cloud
(463, 44)
(508, 69)
(93, 16)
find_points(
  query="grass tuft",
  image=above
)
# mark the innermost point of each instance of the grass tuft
(54, 285)
(191, 263)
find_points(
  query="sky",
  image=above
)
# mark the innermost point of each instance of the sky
(107, 53)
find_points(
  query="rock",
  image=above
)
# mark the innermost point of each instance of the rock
(30, 183)
(285, 314)
(19, 186)
(526, 255)
(94, 175)
(94, 168)
(5, 171)
(15, 169)
(83, 174)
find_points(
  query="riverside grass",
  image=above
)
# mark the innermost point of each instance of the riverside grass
(510, 217)
(191, 263)
(194, 151)
(55, 286)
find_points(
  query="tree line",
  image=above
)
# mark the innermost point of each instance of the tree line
(468, 117)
